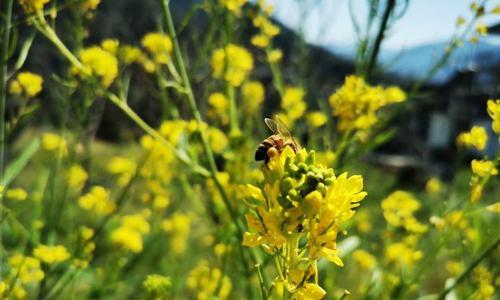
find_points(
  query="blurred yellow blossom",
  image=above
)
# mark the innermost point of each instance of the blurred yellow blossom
(208, 282)
(476, 137)
(97, 201)
(26, 83)
(76, 177)
(123, 167)
(232, 63)
(129, 54)
(495, 207)
(179, 226)
(129, 234)
(316, 119)
(482, 29)
(159, 45)
(100, 63)
(51, 254)
(310, 291)
(485, 285)
(233, 5)
(493, 108)
(90, 4)
(364, 259)
(31, 6)
(293, 105)
(455, 268)
(260, 40)
(54, 143)
(434, 185)
(274, 56)
(27, 267)
(399, 208)
(157, 286)
(253, 96)
(16, 194)
(110, 45)
(483, 168)
(398, 253)
(219, 105)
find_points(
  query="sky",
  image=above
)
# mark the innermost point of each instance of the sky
(328, 23)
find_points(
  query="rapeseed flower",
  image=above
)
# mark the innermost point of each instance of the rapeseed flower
(97, 201)
(110, 45)
(129, 234)
(219, 106)
(364, 259)
(434, 185)
(274, 56)
(129, 54)
(233, 6)
(485, 284)
(299, 210)
(232, 63)
(356, 104)
(52, 142)
(31, 6)
(293, 105)
(159, 45)
(27, 267)
(123, 167)
(253, 94)
(209, 282)
(476, 137)
(179, 226)
(157, 286)
(27, 84)
(100, 63)
(316, 119)
(76, 177)
(483, 168)
(493, 108)
(51, 254)
(90, 5)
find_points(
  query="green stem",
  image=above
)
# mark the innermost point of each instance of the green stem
(182, 156)
(469, 269)
(4, 55)
(233, 113)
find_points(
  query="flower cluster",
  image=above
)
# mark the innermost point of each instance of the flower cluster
(179, 226)
(99, 62)
(476, 137)
(233, 6)
(31, 6)
(209, 282)
(266, 32)
(293, 105)
(159, 45)
(130, 232)
(51, 254)
(26, 84)
(357, 103)
(493, 108)
(97, 201)
(297, 214)
(253, 94)
(232, 63)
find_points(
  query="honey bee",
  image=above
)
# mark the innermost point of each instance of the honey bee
(274, 144)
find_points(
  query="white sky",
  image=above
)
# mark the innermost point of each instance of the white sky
(327, 22)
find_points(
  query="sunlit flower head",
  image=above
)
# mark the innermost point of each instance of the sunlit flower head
(159, 45)
(232, 63)
(100, 63)
(27, 84)
(51, 254)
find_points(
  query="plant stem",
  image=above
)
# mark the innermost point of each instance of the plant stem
(4, 55)
(469, 269)
(378, 40)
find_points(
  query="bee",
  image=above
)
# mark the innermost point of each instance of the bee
(274, 144)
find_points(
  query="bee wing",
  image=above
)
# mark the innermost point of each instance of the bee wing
(273, 126)
(282, 129)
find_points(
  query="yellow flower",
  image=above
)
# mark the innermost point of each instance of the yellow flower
(260, 40)
(77, 177)
(402, 253)
(179, 226)
(218, 139)
(208, 282)
(100, 63)
(233, 5)
(219, 107)
(27, 267)
(493, 108)
(110, 45)
(157, 285)
(54, 143)
(124, 167)
(86, 233)
(129, 234)
(476, 137)
(97, 201)
(316, 119)
(253, 96)
(26, 83)
(483, 168)
(484, 279)
(364, 259)
(232, 63)
(51, 254)
(129, 54)
(16, 194)
(434, 185)
(399, 208)
(159, 45)
(460, 21)
(310, 291)
(274, 56)
(293, 104)
(31, 6)
(356, 104)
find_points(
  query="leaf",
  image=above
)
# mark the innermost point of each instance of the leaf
(14, 168)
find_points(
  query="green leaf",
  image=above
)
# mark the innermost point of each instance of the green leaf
(14, 168)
